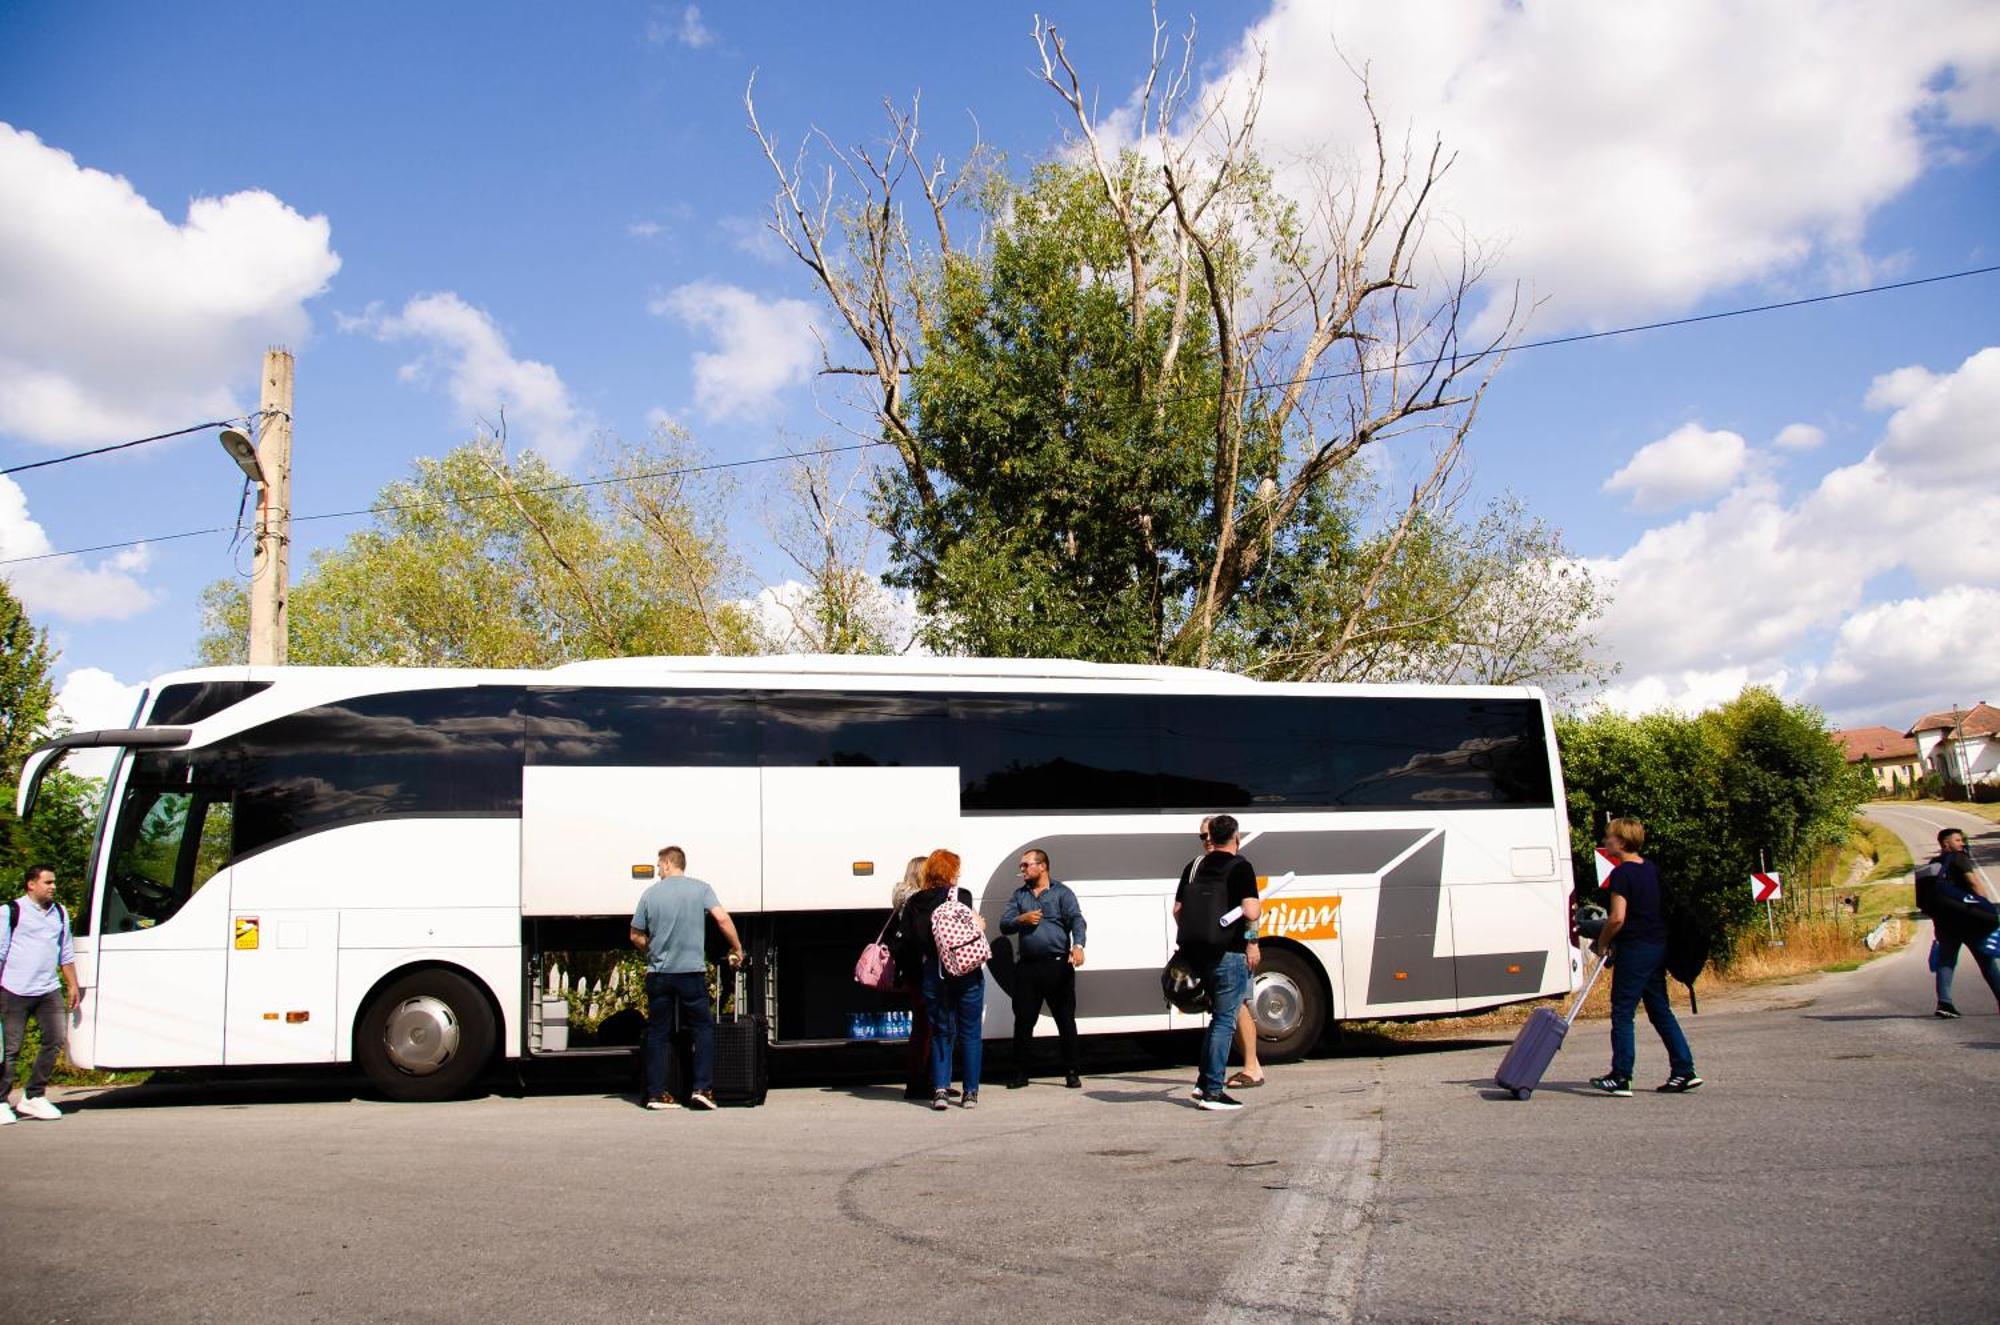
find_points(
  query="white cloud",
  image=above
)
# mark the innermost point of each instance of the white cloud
(1914, 653)
(1687, 692)
(1633, 159)
(683, 26)
(1798, 437)
(1688, 464)
(753, 235)
(115, 321)
(1756, 584)
(481, 372)
(91, 698)
(66, 588)
(762, 346)
(776, 610)
(644, 229)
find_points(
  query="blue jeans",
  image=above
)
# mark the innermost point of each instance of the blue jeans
(1947, 966)
(674, 1002)
(1639, 974)
(956, 1005)
(1228, 986)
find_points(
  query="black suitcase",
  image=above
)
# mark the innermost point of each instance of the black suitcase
(742, 1061)
(1536, 1046)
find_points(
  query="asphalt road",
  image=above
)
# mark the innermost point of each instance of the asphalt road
(1840, 1165)
(1918, 826)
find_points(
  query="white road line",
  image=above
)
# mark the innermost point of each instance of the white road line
(1313, 1242)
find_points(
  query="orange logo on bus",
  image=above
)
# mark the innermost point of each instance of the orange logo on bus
(1301, 918)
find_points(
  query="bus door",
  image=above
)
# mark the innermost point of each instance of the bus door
(162, 922)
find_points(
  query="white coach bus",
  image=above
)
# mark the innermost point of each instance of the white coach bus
(373, 865)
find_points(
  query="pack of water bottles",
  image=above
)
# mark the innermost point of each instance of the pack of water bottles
(891, 1025)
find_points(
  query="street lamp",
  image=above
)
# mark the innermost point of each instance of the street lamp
(237, 443)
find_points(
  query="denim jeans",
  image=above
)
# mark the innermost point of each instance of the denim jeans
(1947, 966)
(1639, 974)
(957, 1008)
(51, 1013)
(1228, 986)
(676, 1002)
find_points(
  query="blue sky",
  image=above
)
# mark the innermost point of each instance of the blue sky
(444, 209)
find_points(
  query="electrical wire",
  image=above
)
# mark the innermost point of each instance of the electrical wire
(126, 446)
(1550, 343)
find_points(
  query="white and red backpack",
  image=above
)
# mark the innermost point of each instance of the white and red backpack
(962, 948)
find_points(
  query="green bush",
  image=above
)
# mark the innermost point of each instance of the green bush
(1714, 791)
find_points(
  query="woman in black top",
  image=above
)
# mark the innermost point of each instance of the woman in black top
(1638, 927)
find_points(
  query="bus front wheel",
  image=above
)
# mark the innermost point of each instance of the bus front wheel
(425, 1036)
(1288, 1004)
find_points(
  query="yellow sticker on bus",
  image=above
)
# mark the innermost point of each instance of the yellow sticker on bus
(246, 933)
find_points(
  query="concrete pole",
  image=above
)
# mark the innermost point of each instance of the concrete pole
(270, 570)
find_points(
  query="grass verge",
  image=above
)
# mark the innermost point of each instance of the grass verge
(1890, 856)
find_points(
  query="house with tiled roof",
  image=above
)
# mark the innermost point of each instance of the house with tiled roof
(1889, 754)
(1962, 745)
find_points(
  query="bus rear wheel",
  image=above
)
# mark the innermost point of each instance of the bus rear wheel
(425, 1036)
(1288, 1004)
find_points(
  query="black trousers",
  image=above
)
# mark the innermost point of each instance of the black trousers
(1040, 980)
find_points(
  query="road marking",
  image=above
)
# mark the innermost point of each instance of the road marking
(1313, 1242)
(1935, 823)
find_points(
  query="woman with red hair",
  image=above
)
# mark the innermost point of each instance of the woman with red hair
(955, 1004)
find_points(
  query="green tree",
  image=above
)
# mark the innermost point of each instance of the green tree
(1142, 415)
(1756, 780)
(58, 833)
(479, 560)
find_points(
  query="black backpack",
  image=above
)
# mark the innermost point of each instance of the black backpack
(1927, 878)
(1688, 945)
(1200, 929)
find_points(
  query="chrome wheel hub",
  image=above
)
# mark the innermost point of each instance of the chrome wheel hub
(1277, 1004)
(421, 1035)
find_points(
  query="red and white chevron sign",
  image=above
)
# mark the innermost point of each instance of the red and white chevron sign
(1765, 887)
(1606, 862)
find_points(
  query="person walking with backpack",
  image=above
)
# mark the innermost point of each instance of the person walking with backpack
(1961, 906)
(1635, 934)
(35, 949)
(1215, 913)
(1047, 916)
(945, 938)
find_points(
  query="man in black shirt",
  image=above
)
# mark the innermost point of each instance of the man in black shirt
(1961, 911)
(1216, 909)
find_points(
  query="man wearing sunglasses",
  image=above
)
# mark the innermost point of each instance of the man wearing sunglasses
(1045, 916)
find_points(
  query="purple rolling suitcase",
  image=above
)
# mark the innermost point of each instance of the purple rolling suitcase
(1536, 1046)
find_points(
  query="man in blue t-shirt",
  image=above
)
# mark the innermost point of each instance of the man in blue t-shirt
(668, 926)
(1638, 927)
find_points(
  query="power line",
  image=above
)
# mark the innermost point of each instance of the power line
(390, 508)
(1550, 343)
(124, 446)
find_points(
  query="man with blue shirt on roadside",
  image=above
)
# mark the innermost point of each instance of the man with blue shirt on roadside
(35, 950)
(1045, 915)
(669, 927)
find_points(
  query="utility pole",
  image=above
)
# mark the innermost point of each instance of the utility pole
(270, 570)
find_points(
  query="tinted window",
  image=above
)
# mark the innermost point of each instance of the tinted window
(863, 730)
(1055, 752)
(656, 728)
(435, 752)
(191, 701)
(1438, 752)
(1228, 753)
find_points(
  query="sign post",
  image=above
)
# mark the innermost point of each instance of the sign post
(1767, 888)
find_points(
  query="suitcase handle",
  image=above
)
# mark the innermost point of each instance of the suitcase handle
(1590, 983)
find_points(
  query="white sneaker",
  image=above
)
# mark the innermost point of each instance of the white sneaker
(6, 1113)
(39, 1107)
